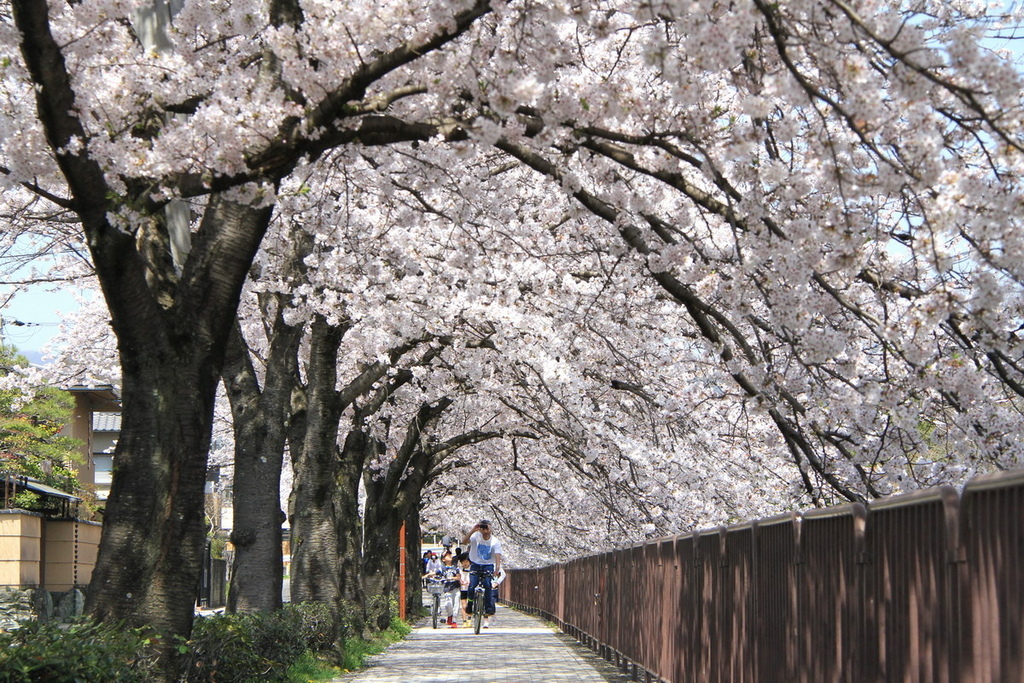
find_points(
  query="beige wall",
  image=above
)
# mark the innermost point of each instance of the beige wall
(20, 548)
(80, 427)
(89, 400)
(53, 554)
(69, 553)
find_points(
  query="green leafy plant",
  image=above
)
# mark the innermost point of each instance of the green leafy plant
(30, 441)
(84, 651)
(26, 500)
(310, 669)
(358, 650)
(261, 646)
(318, 625)
(280, 646)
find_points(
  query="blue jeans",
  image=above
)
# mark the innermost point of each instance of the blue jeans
(474, 579)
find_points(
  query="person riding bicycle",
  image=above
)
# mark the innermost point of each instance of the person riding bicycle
(484, 556)
(432, 565)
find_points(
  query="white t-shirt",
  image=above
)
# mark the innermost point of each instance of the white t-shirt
(481, 551)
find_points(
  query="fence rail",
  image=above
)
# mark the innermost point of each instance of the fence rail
(923, 587)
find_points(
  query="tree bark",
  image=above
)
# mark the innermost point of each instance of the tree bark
(380, 558)
(413, 563)
(326, 528)
(349, 527)
(153, 526)
(314, 567)
(327, 533)
(149, 559)
(383, 523)
(391, 496)
(324, 512)
(260, 425)
(261, 416)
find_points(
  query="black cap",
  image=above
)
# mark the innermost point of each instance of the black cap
(485, 522)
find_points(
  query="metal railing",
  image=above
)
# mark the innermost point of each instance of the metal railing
(923, 587)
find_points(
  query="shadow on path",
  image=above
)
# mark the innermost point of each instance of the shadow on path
(518, 648)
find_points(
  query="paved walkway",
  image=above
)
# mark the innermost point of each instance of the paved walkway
(517, 648)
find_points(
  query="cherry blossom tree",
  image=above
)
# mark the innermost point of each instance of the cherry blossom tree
(408, 276)
(798, 214)
(522, 309)
(101, 135)
(817, 203)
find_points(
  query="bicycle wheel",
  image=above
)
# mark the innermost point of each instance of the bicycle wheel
(478, 611)
(436, 608)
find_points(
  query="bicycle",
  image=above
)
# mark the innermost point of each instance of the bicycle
(479, 603)
(435, 587)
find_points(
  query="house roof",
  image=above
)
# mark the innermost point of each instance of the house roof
(106, 422)
(39, 487)
(104, 397)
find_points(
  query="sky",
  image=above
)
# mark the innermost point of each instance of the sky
(41, 311)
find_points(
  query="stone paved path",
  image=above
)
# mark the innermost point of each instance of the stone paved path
(517, 648)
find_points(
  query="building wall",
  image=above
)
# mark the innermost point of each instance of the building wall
(94, 471)
(69, 553)
(21, 549)
(80, 428)
(57, 555)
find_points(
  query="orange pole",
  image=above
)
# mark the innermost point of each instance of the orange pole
(401, 573)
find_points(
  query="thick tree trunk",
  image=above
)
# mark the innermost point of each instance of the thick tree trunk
(386, 508)
(391, 497)
(380, 558)
(326, 532)
(324, 504)
(261, 425)
(257, 572)
(314, 541)
(153, 526)
(349, 530)
(413, 564)
(154, 532)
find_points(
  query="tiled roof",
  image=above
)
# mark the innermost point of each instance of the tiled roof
(106, 422)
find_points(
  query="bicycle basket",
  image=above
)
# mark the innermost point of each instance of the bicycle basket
(435, 587)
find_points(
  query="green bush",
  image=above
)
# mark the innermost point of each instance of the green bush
(83, 651)
(223, 648)
(226, 648)
(235, 648)
(319, 626)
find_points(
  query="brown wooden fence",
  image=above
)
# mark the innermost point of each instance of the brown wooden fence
(918, 588)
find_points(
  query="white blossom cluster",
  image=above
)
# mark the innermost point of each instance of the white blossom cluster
(686, 262)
